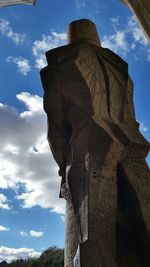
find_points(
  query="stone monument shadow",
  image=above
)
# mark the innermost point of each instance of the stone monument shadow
(133, 243)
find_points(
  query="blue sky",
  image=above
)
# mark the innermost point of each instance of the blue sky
(31, 214)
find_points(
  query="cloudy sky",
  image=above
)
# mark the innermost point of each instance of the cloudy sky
(31, 214)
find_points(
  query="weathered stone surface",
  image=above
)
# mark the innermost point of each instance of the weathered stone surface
(95, 139)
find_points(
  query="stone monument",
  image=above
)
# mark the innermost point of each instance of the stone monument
(95, 140)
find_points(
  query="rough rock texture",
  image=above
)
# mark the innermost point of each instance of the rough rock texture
(95, 139)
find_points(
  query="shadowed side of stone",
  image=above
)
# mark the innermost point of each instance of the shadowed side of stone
(133, 237)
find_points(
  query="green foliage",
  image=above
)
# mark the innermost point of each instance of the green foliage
(52, 257)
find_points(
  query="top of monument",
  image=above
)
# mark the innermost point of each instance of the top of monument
(83, 29)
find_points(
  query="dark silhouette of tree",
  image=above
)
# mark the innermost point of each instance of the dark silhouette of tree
(3, 263)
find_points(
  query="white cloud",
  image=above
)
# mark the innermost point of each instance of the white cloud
(59, 37)
(63, 218)
(148, 55)
(143, 128)
(3, 229)
(32, 233)
(136, 31)
(125, 38)
(79, 3)
(34, 103)
(22, 233)
(36, 234)
(46, 43)
(7, 31)
(25, 158)
(34, 254)
(93, 5)
(23, 65)
(10, 254)
(12, 149)
(116, 42)
(4, 202)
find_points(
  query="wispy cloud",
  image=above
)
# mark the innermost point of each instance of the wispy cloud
(23, 65)
(126, 38)
(93, 7)
(136, 32)
(63, 218)
(32, 164)
(148, 57)
(46, 43)
(6, 30)
(4, 202)
(10, 254)
(143, 127)
(23, 234)
(79, 3)
(3, 229)
(31, 233)
(116, 42)
(36, 234)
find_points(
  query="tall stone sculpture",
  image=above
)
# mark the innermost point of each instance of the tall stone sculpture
(95, 139)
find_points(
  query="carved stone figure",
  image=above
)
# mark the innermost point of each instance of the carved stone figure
(95, 139)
